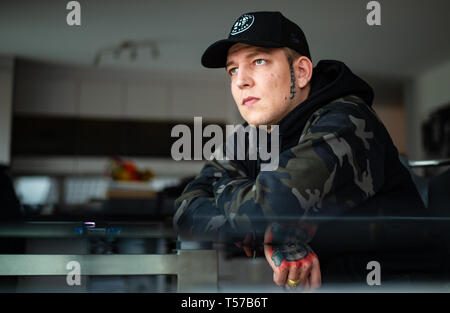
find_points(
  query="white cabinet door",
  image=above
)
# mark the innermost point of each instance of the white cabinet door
(5, 114)
(147, 101)
(46, 96)
(101, 99)
(199, 99)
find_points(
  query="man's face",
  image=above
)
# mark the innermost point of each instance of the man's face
(262, 83)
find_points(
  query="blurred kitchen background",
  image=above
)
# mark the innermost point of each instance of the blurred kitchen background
(86, 111)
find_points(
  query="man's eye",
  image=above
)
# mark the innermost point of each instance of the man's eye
(233, 71)
(260, 62)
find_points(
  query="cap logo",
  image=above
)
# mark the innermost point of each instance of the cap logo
(242, 24)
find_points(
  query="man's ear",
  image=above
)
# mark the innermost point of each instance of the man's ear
(303, 68)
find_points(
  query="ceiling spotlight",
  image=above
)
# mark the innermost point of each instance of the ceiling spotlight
(132, 47)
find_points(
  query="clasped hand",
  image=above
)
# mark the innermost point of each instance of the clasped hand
(294, 263)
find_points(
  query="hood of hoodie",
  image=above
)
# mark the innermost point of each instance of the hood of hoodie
(331, 80)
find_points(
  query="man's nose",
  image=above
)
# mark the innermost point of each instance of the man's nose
(244, 79)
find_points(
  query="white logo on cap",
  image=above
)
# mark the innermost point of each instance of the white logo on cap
(242, 24)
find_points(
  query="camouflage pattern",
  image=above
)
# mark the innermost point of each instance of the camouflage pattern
(337, 164)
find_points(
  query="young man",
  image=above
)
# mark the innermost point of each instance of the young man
(335, 156)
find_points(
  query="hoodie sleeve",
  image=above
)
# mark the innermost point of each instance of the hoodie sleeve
(197, 214)
(336, 165)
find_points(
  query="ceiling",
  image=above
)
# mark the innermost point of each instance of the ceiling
(410, 39)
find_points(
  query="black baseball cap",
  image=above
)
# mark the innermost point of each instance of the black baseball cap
(263, 29)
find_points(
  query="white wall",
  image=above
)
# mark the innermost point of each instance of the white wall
(424, 94)
(6, 86)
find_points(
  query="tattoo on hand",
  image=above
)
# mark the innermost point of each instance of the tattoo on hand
(287, 244)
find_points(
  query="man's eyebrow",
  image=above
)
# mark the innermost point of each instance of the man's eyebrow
(251, 55)
(229, 63)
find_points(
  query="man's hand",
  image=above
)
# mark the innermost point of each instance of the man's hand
(290, 258)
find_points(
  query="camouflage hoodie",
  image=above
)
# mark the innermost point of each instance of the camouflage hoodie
(336, 159)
